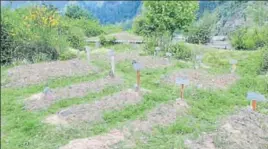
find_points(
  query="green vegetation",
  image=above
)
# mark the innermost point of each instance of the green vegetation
(202, 30)
(159, 17)
(250, 38)
(38, 33)
(76, 12)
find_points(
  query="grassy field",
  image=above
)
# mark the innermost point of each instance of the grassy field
(24, 129)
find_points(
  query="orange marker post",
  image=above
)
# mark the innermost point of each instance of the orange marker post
(254, 105)
(182, 91)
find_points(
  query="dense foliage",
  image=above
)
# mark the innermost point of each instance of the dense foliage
(40, 32)
(181, 51)
(77, 12)
(202, 30)
(254, 34)
(250, 38)
(161, 16)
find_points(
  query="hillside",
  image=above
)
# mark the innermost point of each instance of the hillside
(107, 12)
(234, 14)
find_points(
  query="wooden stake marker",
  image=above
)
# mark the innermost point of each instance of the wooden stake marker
(182, 82)
(137, 67)
(88, 53)
(254, 97)
(157, 49)
(168, 55)
(111, 55)
(198, 61)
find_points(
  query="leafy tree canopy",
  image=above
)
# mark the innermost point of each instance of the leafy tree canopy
(77, 12)
(161, 16)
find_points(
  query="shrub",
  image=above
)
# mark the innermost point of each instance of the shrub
(7, 45)
(150, 44)
(68, 54)
(246, 38)
(76, 37)
(180, 51)
(35, 51)
(201, 31)
(163, 42)
(77, 12)
(90, 27)
(106, 41)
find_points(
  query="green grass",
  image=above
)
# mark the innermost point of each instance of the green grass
(23, 129)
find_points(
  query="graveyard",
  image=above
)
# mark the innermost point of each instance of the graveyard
(118, 98)
(134, 75)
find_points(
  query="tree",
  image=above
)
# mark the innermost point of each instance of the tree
(77, 12)
(161, 16)
(202, 30)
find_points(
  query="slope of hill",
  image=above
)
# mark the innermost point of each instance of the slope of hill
(107, 12)
(234, 14)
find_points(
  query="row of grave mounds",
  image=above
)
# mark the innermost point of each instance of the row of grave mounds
(31, 74)
(246, 129)
(164, 114)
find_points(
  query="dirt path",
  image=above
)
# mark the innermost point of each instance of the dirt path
(38, 101)
(39, 72)
(162, 115)
(245, 130)
(93, 112)
(203, 79)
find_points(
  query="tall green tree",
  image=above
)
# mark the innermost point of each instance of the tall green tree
(165, 16)
(76, 12)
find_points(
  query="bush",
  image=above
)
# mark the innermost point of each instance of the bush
(90, 27)
(35, 51)
(250, 38)
(68, 54)
(77, 12)
(76, 38)
(150, 44)
(201, 31)
(180, 51)
(106, 41)
(7, 45)
(198, 35)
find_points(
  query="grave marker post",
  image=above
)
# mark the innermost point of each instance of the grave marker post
(182, 82)
(157, 49)
(88, 53)
(137, 68)
(233, 63)
(254, 97)
(169, 56)
(111, 54)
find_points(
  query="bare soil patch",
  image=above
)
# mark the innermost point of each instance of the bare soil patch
(203, 79)
(38, 101)
(35, 73)
(245, 130)
(93, 112)
(164, 114)
(97, 142)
